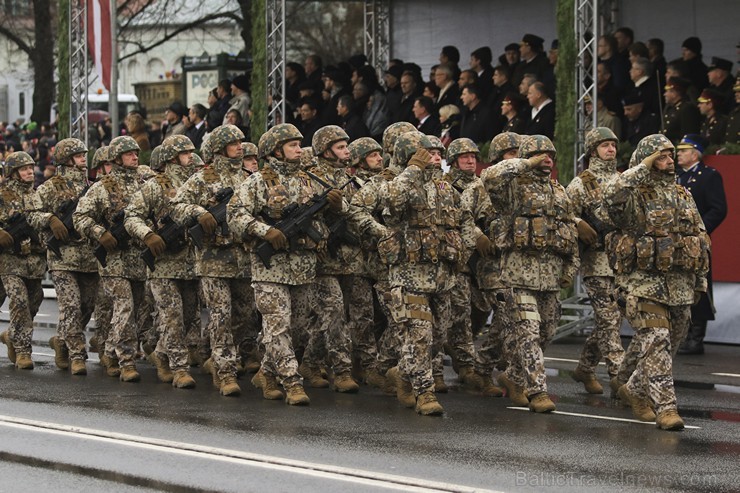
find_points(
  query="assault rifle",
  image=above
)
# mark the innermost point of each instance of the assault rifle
(173, 236)
(339, 233)
(119, 233)
(64, 213)
(296, 222)
(17, 226)
(218, 212)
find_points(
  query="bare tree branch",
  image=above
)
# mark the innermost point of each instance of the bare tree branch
(25, 47)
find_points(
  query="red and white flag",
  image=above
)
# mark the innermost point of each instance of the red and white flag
(99, 37)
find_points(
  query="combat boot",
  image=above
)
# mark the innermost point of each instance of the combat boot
(194, 357)
(61, 353)
(182, 380)
(268, 384)
(640, 407)
(5, 339)
(589, 381)
(313, 376)
(129, 374)
(669, 420)
(111, 366)
(514, 392)
(164, 373)
(375, 379)
(466, 375)
(79, 367)
(344, 382)
(427, 405)
(253, 361)
(541, 403)
(24, 362)
(614, 385)
(296, 396)
(484, 384)
(208, 368)
(229, 387)
(93, 344)
(390, 381)
(440, 386)
(405, 393)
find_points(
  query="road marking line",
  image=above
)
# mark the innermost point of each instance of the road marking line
(726, 375)
(606, 418)
(360, 476)
(566, 360)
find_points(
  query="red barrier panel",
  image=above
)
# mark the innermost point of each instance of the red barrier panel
(726, 238)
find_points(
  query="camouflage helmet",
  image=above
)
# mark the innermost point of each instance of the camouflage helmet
(155, 159)
(66, 148)
(121, 145)
(198, 161)
(437, 144)
(102, 155)
(502, 143)
(361, 148)
(250, 150)
(325, 137)
(596, 136)
(407, 144)
(651, 144)
(205, 149)
(223, 136)
(391, 133)
(173, 145)
(307, 156)
(461, 146)
(16, 161)
(276, 136)
(535, 144)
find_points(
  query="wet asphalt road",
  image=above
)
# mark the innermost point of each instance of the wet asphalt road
(94, 433)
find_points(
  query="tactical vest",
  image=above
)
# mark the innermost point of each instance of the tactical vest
(168, 192)
(278, 197)
(541, 220)
(594, 209)
(672, 237)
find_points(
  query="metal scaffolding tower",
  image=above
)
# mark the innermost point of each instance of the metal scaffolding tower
(78, 69)
(275, 11)
(377, 40)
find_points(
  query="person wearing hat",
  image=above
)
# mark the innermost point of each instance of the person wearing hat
(706, 187)
(720, 79)
(450, 56)
(714, 124)
(392, 79)
(533, 59)
(510, 108)
(637, 123)
(173, 116)
(696, 69)
(240, 99)
(681, 116)
(732, 136)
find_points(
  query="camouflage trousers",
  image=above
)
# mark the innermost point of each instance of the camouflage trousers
(604, 339)
(329, 338)
(492, 351)
(150, 331)
(534, 317)
(460, 332)
(76, 292)
(230, 303)
(389, 343)
(659, 330)
(103, 313)
(177, 308)
(129, 312)
(358, 301)
(416, 314)
(24, 299)
(3, 295)
(285, 310)
(195, 338)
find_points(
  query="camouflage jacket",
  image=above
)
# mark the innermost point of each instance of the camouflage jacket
(348, 258)
(16, 196)
(94, 216)
(259, 203)
(153, 201)
(69, 184)
(586, 196)
(660, 250)
(223, 255)
(429, 231)
(535, 228)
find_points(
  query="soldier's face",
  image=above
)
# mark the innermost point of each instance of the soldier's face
(510, 154)
(466, 162)
(234, 150)
(436, 158)
(79, 160)
(130, 159)
(704, 107)
(607, 150)
(664, 162)
(25, 173)
(250, 164)
(340, 150)
(687, 157)
(374, 161)
(185, 158)
(292, 150)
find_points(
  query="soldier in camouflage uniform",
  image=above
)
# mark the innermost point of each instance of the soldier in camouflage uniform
(488, 275)
(539, 257)
(335, 270)
(390, 134)
(124, 275)
(22, 259)
(75, 273)
(593, 223)
(424, 247)
(173, 282)
(250, 159)
(660, 254)
(284, 291)
(223, 264)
